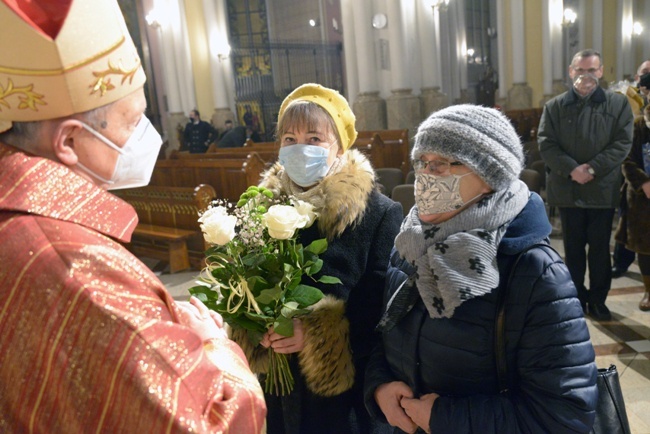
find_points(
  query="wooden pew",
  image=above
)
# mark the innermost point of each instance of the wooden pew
(261, 145)
(368, 145)
(229, 177)
(168, 227)
(525, 122)
(388, 148)
(268, 155)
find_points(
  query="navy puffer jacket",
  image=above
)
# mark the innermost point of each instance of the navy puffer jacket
(549, 353)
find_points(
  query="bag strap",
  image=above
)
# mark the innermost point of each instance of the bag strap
(500, 324)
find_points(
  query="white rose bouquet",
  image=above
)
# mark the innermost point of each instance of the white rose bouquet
(255, 267)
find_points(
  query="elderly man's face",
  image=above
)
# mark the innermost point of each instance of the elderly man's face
(121, 119)
(585, 73)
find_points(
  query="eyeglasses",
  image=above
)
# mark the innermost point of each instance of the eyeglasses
(581, 71)
(435, 167)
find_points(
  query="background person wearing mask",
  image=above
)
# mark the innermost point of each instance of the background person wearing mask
(454, 257)
(637, 97)
(330, 345)
(584, 135)
(198, 134)
(91, 339)
(634, 227)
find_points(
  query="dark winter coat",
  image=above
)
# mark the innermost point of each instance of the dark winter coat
(360, 224)
(550, 357)
(634, 227)
(596, 131)
(197, 137)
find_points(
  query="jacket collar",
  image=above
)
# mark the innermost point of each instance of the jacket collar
(39, 186)
(571, 97)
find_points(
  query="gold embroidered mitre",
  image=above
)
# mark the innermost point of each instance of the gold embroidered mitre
(53, 67)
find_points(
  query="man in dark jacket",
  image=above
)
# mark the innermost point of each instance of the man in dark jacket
(236, 137)
(584, 135)
(198, 134)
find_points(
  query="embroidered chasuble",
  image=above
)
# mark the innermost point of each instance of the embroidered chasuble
(90, 339)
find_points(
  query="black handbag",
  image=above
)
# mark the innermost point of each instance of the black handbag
(611, 417)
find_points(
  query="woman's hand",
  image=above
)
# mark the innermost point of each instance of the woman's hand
(206, 323)
(388, 397)
(419, 410)
(285, 344)
(646, 189)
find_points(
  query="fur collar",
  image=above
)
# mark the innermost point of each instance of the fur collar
(340, 198)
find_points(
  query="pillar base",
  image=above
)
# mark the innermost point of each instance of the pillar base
(545, 99)
(403, 110)
(559, 87)
(176, 122)
(432, 100)
(370, 111)
(464, 97)
(520, 96)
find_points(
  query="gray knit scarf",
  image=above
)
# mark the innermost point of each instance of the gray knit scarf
(455, 260)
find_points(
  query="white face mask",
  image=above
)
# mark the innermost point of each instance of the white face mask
(137, 157)
(438, 194)
(585, 84)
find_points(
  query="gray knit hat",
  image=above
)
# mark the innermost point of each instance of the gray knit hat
(479, 137)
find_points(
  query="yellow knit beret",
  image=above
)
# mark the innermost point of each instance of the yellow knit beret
(333, 103)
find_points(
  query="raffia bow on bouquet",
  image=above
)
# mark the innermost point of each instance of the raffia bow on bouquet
(255, 267)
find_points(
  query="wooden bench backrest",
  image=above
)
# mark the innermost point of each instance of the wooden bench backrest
(387, 148)
(525, 121)
(261, 145)
(174, 207)
(268, 156)
(229, 177)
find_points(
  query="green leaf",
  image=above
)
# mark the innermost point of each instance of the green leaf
(329, 279)
(315, 267)
(283, 326)
(253, 260)
(304, 295)
(318, 246)
(247, 323)
(269, 296)
(259, 318)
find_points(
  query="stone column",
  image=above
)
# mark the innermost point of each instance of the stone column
(177, 68)
(624, 53)
(215, 23)
(350, 51)
(369, 107)
(597, 25)
(556, 11)
(461, 51)
(431, 98)
(547, 53)
(502, 93)
(403, 108)
(520, 95)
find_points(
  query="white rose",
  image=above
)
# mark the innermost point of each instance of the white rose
(218, 227)
(306, 211)
(282, 221)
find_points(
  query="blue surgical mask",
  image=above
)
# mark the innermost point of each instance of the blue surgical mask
(305, 164)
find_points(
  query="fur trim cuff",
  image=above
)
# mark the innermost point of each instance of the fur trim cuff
(326, 360)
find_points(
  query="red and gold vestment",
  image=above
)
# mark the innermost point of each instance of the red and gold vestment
(90, 339)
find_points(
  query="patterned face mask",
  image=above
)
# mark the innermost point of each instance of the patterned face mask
(438, 194)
